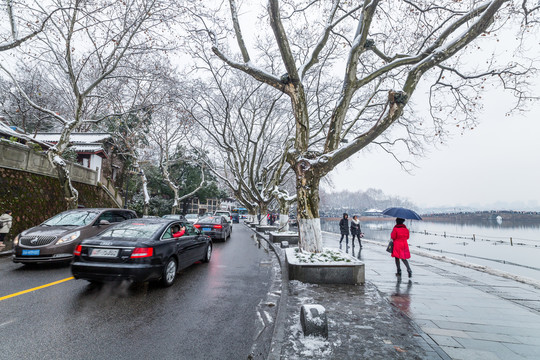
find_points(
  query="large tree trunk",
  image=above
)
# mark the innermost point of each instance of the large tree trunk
(71, 195)
(284, 207)
(263, 211)
(146, 196)
(309, 223)
(252, 215)
(175, 205)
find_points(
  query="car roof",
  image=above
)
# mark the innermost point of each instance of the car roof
(98, 209)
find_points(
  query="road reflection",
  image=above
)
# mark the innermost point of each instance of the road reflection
(401, 296)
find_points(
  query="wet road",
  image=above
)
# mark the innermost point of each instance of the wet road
(209, 312)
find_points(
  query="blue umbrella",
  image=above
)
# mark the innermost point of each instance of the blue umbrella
(402, 213)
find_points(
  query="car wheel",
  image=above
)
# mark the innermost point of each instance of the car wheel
(169, 273)
(208, 254)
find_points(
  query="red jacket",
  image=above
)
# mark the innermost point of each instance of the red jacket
(178, 234)
(400, 235)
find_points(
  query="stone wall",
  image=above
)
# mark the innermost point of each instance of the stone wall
(34, 198)
(18, 156)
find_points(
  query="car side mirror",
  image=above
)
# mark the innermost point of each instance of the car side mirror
(104, 222)
(198, 232)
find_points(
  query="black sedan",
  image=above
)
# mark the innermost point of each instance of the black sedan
(217, 227)
(141, 250)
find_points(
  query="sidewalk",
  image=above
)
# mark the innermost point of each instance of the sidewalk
(445, 311)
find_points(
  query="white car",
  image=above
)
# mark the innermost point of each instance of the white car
(192, 218)
(226, 214)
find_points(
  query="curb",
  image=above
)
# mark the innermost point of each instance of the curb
(6, 253)
(279, 327)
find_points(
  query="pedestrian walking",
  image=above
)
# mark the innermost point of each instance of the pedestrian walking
(6, 221)
(344, 229)
(355, 230)
(400, 235)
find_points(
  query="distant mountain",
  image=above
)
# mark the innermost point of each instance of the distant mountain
(356, 202)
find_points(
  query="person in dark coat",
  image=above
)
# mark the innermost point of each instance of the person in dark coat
(344, 229)
(355, 230)
(400, 235)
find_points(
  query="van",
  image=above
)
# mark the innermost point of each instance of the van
(55, 239)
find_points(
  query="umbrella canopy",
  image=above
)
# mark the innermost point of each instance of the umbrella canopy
(402, 213)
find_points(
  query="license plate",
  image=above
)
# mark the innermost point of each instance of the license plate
(104, 252)
(30, 252)
(207, 229)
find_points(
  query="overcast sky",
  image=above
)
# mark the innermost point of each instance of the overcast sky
(494, 166)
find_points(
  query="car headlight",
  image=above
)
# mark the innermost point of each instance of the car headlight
(16, 240)
(68, 238)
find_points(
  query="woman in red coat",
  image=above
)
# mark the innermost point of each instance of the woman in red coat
(400, 235)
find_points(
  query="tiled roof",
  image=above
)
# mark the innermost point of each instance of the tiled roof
(75, 138)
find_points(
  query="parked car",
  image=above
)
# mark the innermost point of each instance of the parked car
(175, 217)
(55, 239)
(192, 218)
(226, 214)
(217, 227)
(140, 250)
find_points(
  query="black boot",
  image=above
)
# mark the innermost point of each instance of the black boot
(398, 274)
(410, 273)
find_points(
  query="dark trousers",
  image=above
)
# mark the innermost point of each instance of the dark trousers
(358, 237)
(406, 265)
(2, 236)
(346, 239)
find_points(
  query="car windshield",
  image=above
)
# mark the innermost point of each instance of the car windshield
(222, 213)
(211, 220)
(129, 229)
(72, 218)
(191, 216)
(172, 216)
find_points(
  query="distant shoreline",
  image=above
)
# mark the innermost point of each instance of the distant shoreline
(483, 216)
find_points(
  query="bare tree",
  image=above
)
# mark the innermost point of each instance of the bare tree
(82, 51)
(31, 16)
(244, 131)
(170, 131)
(379, 53)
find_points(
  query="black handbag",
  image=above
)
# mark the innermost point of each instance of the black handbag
(390, 246)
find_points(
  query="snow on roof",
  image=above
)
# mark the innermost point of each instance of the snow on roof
(7, 130)
(75, 138)
(89, 148)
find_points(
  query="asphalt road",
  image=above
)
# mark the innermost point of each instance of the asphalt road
(209, 312)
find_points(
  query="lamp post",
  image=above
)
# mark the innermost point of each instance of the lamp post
(259, 189)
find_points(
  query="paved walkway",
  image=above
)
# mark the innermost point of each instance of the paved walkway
(445, 311)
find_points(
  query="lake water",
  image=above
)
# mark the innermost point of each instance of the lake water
(513, 247)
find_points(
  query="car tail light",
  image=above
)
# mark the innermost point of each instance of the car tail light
(77, 250)
(142, 252)
(197, 226)
(217, 226)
